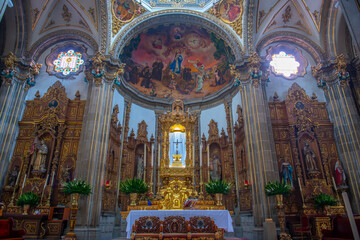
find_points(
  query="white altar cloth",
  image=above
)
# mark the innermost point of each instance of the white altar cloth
(221, 218)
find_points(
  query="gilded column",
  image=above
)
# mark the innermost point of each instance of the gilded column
(101, 75)
(259, 139)
(17, 77)
(334, 80)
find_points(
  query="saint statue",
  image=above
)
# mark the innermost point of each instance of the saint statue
(13, 176)
(140, 167)
(39, 157)
(340, 176)
(310, 158)
(215, 168)
(286, 173)
(66, 174)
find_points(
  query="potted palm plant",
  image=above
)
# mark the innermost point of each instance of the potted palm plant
(278, 190)
(133, 187)
(75, 188)
(218, 188)
(28, 200)
(323, 201)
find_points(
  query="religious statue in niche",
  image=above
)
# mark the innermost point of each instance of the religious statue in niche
(310, 158)
(140, 167)
(215, 168)
(66, 174)
(286, 173)
(13, 176)
(340, 176)
(39, 152)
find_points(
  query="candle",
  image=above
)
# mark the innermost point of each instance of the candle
(333, 180)
(24, 182)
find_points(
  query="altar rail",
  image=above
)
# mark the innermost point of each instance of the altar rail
(176, 227)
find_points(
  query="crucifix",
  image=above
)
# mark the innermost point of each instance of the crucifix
(177, 146)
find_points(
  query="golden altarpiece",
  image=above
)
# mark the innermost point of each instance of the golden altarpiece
(175, 171)
(45, 154)
(303, 136)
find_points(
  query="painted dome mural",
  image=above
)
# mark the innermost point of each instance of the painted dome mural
(177, 61)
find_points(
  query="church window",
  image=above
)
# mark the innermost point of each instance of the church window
(68, 62)
(284, 64)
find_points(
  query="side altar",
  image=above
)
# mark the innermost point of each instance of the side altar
(175, 169)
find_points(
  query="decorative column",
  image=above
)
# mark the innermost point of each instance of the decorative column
(230, 130)
(101, 74)
(258, 133)
(17, 77)
(124, 134)
(334, 80)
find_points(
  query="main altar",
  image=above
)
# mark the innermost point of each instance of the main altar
(175, 172)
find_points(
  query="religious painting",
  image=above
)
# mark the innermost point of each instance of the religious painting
(124, 10)
(230, 10)
(177, 62)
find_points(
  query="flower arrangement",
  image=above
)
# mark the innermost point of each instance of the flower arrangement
(277, 188)
(28, 198)
(218, 186)
(323, 200)
(77, 186)
(133, 186)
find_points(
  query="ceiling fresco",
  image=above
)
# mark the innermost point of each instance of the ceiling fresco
(177, 61)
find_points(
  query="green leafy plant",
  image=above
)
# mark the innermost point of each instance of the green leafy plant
(218, 186)
(276, 188)
(77, 186)
(323, 200)
(28, 198)
(133, 186)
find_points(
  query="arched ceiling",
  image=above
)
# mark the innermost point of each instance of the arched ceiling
(304, 17)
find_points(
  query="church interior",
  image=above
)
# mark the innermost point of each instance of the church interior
(180, 119)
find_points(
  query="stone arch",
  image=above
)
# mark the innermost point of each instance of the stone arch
(53, 38)
(209, 22)
(294, 39)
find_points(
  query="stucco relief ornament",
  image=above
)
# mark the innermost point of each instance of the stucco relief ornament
(33, 71)
(120, 73)
(235, 74)
(341, 64)
(8, 73)
(255, 72)
(95, 70)
(316, 72)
